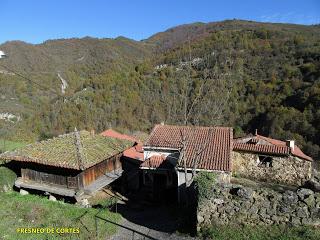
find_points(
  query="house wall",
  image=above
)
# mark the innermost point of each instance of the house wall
(131, 173)
(284, 170)
(222, 177)
(72, 182)
(98, 170)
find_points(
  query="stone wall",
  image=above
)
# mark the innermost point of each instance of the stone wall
(235, 204)
(286, 170)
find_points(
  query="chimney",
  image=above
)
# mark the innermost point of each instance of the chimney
(290, 144)
(256, 132)
(162, 123)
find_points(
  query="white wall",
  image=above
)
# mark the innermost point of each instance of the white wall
(173, 154)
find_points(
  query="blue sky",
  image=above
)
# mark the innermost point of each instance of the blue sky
(35, 21)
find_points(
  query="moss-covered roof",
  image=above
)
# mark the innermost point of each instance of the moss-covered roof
(63, 152)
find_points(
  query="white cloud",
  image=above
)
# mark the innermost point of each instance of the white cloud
(290, 17)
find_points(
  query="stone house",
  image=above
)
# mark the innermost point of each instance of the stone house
(266, 159)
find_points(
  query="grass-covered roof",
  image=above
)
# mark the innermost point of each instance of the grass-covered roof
(62, 151)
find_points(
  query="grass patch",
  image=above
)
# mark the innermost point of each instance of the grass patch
(32, 211)
(274, 232)
(6, 145)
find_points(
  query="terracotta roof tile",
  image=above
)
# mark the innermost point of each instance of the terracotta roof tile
(211, 146)
(155, 161)
(114, 134)
(135, 152)
(261, 148)
(274, 147)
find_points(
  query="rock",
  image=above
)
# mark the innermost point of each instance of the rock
(218, 201)
(295, 221)
(271, 211)
(23, 192)
(230, 210)
(52, 198)
(200, 219)
(6, 188)
(313, 184)
(290, 197)
(276, 219)
(84, 203)
(304, 193)
(286, 209)
(310, 201)
(302, 212)
(265, 203)
(245, 193)
(253, 210)
(306, 221)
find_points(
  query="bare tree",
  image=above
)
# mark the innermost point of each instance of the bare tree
(199, 87)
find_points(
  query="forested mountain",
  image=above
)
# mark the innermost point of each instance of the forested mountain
(253, 75)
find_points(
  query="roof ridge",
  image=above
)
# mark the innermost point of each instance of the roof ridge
(191, 126)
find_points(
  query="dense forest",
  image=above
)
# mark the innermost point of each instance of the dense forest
(243, 74)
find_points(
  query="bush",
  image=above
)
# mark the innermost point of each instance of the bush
(204, 183)
(7, 178)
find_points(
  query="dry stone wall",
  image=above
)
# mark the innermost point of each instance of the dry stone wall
(285, 170)
(236, 204)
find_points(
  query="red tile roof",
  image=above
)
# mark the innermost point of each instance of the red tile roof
(262, 148)
(136, 152)
(275, 146)
(211, 146)
(154, 161)
(114, 134)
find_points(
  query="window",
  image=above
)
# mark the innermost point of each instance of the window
(264, 161)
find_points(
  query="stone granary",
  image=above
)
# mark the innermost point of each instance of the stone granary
(266, 159)
(70, 164)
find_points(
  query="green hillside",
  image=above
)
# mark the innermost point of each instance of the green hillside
(269, 79)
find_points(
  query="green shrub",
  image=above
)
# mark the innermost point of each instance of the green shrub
(204, 183)
(7, 178)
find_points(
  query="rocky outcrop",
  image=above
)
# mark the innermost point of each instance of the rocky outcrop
(236, 204)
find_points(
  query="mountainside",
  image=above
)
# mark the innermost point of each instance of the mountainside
(54, 55)
(265, 76)
(175, 36)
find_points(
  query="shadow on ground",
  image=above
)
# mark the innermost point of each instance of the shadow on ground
(162, 218)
